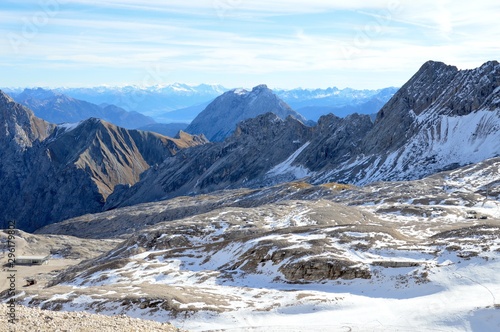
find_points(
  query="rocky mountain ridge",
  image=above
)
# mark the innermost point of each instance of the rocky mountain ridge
(21, 128)
(422, 130)
(61, 171)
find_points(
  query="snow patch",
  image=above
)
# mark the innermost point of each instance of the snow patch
(68, 126)
(286, 167)
(240, 92)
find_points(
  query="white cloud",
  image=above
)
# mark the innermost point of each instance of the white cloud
(196, 38)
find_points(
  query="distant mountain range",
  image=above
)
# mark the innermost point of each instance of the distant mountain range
(313, 103)
(182, 103)
(55, 107)
(157, 102)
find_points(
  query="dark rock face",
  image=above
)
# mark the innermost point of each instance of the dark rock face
(255, 146)
(321, 269)
(442, 118)
(251, 157)
(336, 140)
(20, 133)
(21, 129)
(436, 88)
(221, 117)
(50, 173)
(394, 121)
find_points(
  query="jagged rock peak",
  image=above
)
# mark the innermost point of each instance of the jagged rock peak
(490, 64)
(328, 120)
(435, 66)
(183, 136)
(5, 98)
(19, 125)
(260, 87)
(254, 125)
(94, 121)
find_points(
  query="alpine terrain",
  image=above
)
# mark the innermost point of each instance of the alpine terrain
(182, 103)
(272, 225)
(66, 170)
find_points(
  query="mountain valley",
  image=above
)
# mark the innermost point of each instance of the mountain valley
(273, 223)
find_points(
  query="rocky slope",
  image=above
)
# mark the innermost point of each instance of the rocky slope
(441, 195)
(35, 319)
(220, 118)
(68, 170)
(261, 152)
(56, 107)
(426, 250)
(21, 129)
(440, 119)
(233, 163)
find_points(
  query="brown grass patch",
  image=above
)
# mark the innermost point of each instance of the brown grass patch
(300, 185)
(337, 186)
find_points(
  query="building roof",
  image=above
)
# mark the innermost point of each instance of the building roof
(32, 257)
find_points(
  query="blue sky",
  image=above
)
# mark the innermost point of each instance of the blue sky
(239, 43)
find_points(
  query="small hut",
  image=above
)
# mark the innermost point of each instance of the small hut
(32, 260)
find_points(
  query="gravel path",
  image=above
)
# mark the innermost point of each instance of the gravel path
(35, 319)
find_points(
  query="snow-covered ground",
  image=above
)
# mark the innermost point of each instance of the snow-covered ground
(456, 294)
(406, 256)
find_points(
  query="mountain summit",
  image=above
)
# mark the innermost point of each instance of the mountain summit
(221, 117)
(20, 127)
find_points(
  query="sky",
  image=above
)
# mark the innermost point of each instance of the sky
(240, 43)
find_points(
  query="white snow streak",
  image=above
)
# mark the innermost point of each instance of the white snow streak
(287, 168)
